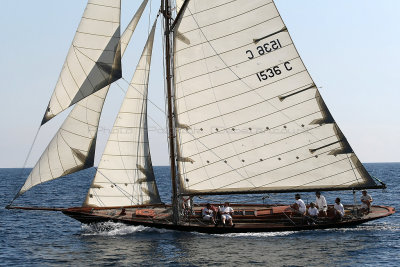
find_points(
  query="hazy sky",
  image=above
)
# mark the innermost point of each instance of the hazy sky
(350, 47)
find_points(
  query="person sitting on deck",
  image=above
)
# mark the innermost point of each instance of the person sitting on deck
(338, 209)
(312, 213)
(226, 214)
(365, 202)
(299, 206)
(216, 214)
(321, 204)
(207, 214)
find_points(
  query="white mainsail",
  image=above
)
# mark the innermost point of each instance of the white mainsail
(249, 117)
(125, 174)
(94, 58)
(73, 147)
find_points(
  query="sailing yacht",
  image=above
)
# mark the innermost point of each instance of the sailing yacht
(244, 117)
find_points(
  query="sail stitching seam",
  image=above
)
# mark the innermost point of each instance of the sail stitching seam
(204, 10)
(274, 156)
(94, 4)
(217, 22)
(283, 179)
(271, 170)
(258, 118)
(233, 33)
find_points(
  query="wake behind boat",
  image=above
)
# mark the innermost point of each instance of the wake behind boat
(244, 117)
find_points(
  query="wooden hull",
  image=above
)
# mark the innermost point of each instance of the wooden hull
(247, 218)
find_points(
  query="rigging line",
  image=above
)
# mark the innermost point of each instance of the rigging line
(58, 154)
(163, 40)
(190, 123)
(142, 118)
(213, 152)
(24, 166)
(243, 81)
(302, 61)
(99, 199)
(330, 176)
(153, 120)
(351, 165)
(275, 204)
(87, 109)
(129, 84)
(125, 193)
(239, 79)
(222, 118)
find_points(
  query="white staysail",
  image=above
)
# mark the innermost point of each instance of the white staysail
(125, 173)
(73, 147)
(94, 58)
(179, 4)
(249, 116)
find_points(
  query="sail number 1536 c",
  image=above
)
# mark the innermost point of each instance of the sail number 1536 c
(273, 71)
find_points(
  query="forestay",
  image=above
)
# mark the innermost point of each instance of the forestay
(94, 58)
(125, 174)
(73, 147)
(249, 117)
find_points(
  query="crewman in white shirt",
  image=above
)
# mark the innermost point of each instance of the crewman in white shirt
(312, 213)
(366, 201)
(321, 204)
(339, 209)
(207, 214)
(299, 205)
(226, 214)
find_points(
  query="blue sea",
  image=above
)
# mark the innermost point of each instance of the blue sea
(43, 238)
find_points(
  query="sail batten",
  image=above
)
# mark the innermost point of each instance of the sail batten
(125, 172)
(73, 147)
(255, 121)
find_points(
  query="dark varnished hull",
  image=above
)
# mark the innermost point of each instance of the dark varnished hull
(274, 222)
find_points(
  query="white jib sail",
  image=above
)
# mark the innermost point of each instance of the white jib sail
(73, 147)
(125, 173)
(249, 116)
(94, 58)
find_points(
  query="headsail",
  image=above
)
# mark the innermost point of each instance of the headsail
(73, 147)
(125, 174)
(94, 58)
(249, 116)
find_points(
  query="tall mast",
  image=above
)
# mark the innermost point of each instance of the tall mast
(165, 7)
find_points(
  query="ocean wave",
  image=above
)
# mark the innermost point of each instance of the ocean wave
(264, 234)
(116, 229)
